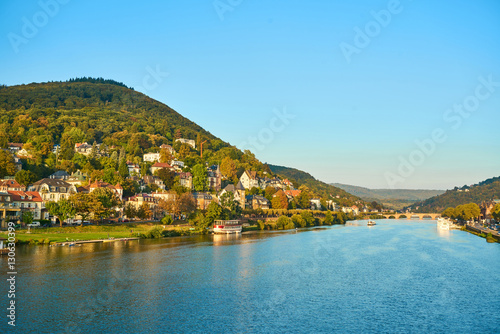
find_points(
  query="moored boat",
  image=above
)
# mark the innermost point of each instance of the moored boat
(443, 224)
(227, 226)
(371, 223)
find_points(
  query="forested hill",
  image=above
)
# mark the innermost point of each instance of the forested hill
(107, 112)
(100, 109)
(322, 189)
(483, 191)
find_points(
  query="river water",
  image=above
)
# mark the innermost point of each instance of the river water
(396, 277)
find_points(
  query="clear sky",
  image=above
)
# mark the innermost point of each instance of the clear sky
(359, 82)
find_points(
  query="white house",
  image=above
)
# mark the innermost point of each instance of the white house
(190, 142)
(249, 180)
(151, 157)
(315, 204)
(53, 189)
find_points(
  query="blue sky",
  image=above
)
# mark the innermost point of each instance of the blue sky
(362, 80)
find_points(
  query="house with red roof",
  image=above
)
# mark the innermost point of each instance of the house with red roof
(6, 185)
(160, 165)
(28, 201)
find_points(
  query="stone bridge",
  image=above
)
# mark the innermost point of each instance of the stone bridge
(414, 216)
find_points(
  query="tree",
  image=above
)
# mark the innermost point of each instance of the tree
(253, 191)
(68, 166)
(269, 192)
(308, 218)
(467, 212)
(167, 176)
(80, 202)
(102, 201)
(184, 150)
(376, 206)
(496, 212)
(144, 211)
(279, 201)
(214, 212)
(186, 204)
(200, 178)
(165, 156)
(123, 168)
(228, 168)
(299, 221)
(130, 211)
(328, 218)
(7, 164)
(230, 207)
(25, 177)
(284, 222)
(340, 218)
(167, 220)
(449, 212)
(304, 200)
(27, 217)
(4, 140)
(130, 187)
(61, 210)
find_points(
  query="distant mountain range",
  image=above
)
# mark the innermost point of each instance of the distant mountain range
(483, 191)
(391, 198)
(320, 188)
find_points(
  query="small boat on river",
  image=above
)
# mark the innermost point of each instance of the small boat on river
(227, 226)
(443, 224)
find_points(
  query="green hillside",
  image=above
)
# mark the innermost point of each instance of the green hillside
(103, 109)
(321, 189)
(483, 191)
(391, 198)
(126, 122)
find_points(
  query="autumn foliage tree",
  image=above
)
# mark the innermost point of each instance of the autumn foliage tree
(279, 201)
(496, 212)
(7, 164)
(184, 204)
(228, 168)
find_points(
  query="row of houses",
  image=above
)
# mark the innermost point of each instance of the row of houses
(250, 179)
(16, 198)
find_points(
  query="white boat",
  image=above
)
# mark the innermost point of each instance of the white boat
(443, 224)
(227, 226)
(371, 223)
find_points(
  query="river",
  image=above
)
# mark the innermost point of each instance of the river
(399, 276)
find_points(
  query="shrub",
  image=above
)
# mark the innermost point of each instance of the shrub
(155, 233)
(261, 224)
(167, 220)
(299, 221)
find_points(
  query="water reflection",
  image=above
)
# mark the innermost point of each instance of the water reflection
(397, 276)
(225, 239)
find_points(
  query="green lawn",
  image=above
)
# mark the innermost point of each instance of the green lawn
(91, 232)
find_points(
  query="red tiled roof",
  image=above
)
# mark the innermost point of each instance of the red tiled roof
(161, 165)
(293, 193)
(10, 183)
(16, 196)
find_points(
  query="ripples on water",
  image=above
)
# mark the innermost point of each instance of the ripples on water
(397, 277)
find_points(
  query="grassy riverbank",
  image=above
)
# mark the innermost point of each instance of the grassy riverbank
(489, 237)
(95, 232)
